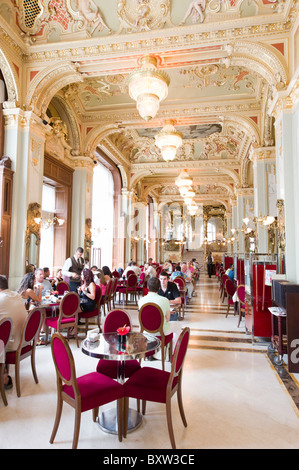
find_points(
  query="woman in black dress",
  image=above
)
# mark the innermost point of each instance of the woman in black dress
(87, 290)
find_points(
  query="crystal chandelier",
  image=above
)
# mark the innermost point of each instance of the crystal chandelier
(192, 208)
(184, 182)
(148, 86)
(168, 140)
(188, 198)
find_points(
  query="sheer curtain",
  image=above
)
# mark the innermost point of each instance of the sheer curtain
(102, 213)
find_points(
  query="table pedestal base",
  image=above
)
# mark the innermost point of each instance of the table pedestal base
(107, 420)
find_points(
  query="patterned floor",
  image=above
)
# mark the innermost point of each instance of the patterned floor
(234, 397)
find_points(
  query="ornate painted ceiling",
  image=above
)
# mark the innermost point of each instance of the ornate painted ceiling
(225, 60)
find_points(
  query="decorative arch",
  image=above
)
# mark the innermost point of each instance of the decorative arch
(47, 83)
(66, 113)
(260, 58)
(11, 81)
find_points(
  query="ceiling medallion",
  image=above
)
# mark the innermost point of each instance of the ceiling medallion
(168, 140)
(148, 86)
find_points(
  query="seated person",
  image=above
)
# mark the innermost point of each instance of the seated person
(153, 297)
(188, 278)
(11, 305)
(87, 290)
(167, 267)
(57, 278)
(177, 272)
(169, 290)
(104, 279)
(41, 281)
(230, 272)
(28, 291)
(132, 266)
(149, 271)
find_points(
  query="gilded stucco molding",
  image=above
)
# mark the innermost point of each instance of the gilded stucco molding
(47, 83)
(286, 100)
(11, 82)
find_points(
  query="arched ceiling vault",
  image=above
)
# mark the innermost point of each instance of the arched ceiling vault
(220, 88)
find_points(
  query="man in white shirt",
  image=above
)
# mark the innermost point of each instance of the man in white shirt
(149, 271)
(153, 297)
(132, 267)
(12, 305)
(41, 282)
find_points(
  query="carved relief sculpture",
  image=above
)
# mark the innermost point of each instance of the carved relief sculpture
(142, 15)
(195, 10)
(87, 15)
(57, 139)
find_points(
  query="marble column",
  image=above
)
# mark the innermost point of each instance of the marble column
(263, 158)
(287, 163)
(81, 200)
(24, 139)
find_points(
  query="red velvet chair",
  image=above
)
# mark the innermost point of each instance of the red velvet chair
(62, 286)
(181, 283)
(230, 290)
(5, 334)
(84, 393)
(116, 319)
(140, 284)
(27, 346)
(93, 313)
(68, 315)
(116, 274)
(151, 384)
(151, 319)
(130, 288)
(223, 293)
(241, 301)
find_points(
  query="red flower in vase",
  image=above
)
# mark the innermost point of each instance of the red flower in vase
(123, 330)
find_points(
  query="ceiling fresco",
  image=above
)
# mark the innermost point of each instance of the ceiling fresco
(225, 59)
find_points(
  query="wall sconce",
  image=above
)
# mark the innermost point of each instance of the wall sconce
(46, 222)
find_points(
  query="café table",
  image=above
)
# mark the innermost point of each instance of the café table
(111, 346)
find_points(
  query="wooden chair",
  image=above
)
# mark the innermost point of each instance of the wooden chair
(84, 393)
(93, 313)
(106, 297)
(27, 345)
(130, 288)
(181, 283)
(68, 316)
(230, 290)
(5, 334)
(62, 287)
(140, 284)
(151, 319)
(116, 319)
(241, 301)
(151, 384)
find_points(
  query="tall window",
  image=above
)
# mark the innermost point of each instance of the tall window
(47, 230)
(102, 215)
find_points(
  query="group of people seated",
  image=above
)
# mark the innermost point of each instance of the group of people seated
(81, 279)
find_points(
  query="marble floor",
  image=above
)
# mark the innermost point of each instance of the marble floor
(234, 397)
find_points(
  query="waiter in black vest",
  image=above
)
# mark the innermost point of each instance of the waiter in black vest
(72, 269)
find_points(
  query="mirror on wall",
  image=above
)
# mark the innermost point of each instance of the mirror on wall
(32, 238)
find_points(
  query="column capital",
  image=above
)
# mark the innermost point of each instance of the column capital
(262, 154)
(244, 192)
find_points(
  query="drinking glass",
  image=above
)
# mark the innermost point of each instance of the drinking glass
(47, 294)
